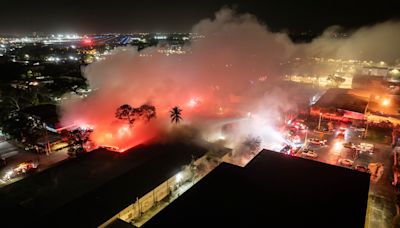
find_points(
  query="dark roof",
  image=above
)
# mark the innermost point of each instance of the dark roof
(118, 223)
(340, 99)
(273, 190)
(93, 188)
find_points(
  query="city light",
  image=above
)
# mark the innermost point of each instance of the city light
(87, 41)
(385, 102)
(179, 177)
(8, 175)
(338, 146)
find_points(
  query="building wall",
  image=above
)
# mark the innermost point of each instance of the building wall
(150, 199)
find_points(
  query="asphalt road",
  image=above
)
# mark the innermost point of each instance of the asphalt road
(44, 161)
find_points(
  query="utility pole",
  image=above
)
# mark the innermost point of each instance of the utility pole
(319, 122)
(366, 130)
(305, 138)
(48, 150)
(366, 116)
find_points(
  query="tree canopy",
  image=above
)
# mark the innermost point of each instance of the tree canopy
(77, 139)
(24, 127)
(131, 114)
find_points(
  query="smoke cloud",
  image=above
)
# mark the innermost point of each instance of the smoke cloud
(378, 42)
(228, 84)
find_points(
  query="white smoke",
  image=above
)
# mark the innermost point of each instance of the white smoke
(231, 77)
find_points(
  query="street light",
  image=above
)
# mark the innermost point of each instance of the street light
(338, 146)
(385, 102)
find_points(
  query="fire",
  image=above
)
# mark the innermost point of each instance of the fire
(119, 137)
(124, 130)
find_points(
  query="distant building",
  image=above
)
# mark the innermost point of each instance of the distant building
(393, 75)
(361, 81)
(374, 71)
(358, 104)
(340, 104)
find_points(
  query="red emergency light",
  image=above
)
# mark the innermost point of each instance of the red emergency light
(87, 41)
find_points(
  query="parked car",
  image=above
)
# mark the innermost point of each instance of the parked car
(365, 148)
(309, 153)
(299, 124)
(345, 162)
(360, 129)
(348, 145)
(286, 149)
(316, 141)
(362, 168)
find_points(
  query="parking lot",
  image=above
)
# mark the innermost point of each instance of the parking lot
(379, 162)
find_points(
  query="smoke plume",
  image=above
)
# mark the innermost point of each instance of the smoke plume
(378, 42)
(228, 84)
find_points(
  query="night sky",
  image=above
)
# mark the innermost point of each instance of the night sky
(89, 16)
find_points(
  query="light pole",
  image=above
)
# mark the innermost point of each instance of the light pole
(305, 140)
(366, 117)
(319, 122)
(47, 147)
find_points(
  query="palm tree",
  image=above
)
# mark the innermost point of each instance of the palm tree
(176, 113)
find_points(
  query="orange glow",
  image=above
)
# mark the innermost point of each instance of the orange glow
(385, 102)
(193, 102)
(119, 137)
(338, 146)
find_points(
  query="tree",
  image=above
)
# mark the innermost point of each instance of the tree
(125, 112)
(131, 114)
(24, 127)
(147, 111)
(252, 144)
(176, 114)
(77, 139)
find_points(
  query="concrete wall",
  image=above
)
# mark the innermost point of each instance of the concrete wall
(147, 201)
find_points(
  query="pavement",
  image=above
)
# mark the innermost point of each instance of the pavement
(382, 195)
